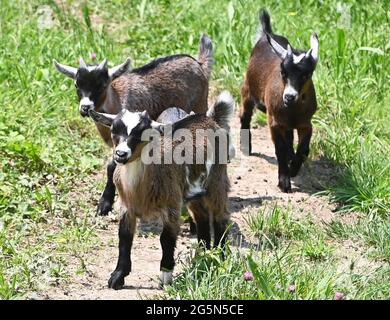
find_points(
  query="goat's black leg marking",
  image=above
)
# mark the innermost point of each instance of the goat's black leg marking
(304, 135)
(168, 243)
(282, 156)
(246, 112)
(192, 226)
(220, 232)
(202, 223)
(289, 137)
(107, 199)
(123, 267)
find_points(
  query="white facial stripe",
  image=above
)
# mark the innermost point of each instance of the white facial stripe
(130, 119)
(297, 59)
(85, 101)
(289, 89)
(123, 147)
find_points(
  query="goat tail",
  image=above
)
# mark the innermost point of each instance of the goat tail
(206, 55)
(265, 20)
(222, 111)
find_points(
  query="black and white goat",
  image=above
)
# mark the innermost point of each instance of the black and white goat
(178, 80)
(160, 190)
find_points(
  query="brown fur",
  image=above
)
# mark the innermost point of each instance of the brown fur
(263, 86)
(182, 83)
(158, 190)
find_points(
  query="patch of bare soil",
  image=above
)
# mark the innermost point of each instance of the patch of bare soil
(254, 183)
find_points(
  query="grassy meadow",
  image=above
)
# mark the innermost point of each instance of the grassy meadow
(50, 156)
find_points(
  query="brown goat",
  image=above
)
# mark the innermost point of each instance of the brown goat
(159, 190)
(278, 81)
(178, 80)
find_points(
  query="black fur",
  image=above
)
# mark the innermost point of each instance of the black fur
(108, 196)
(168, 243)
(95, 82)
(123, 266)
(265, 20)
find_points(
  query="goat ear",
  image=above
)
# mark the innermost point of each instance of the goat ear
(117, 71)
(83, 65)
(279, 50)
(102, 65)
(314, 45)
(104, 119)
(66, 70)
(145, 114)
(158, 126)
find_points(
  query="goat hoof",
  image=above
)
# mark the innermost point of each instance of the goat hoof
(192, 228)
(285, 185)
(104, 207)
(294, 169)
(165, 278)
(117, 280)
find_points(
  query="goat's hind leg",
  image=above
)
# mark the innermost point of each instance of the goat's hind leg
(202, 220)
(126, 233)
(168, 243)
(220, 231)
(107, 199)
(246, 111)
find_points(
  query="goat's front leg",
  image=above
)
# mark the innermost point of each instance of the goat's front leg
(304, 136)
(168, 243)
(126, 233)
(107, 199)
(289, 134)
(281, 150)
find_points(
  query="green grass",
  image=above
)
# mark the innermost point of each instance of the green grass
(48, 152)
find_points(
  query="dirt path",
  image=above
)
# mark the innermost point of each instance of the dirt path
(254, 182)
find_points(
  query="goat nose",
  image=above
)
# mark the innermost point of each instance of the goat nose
(290, 97)
(120, 153)
(86, 107)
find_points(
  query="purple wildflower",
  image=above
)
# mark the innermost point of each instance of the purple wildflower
(339, 296)
(291, 288)
(248, 276)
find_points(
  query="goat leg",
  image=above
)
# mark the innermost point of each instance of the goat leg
(123, 267)
(304, 135)
(282, 156)
(246, 111)
(289, 137)
(168, 243)
(107, 199)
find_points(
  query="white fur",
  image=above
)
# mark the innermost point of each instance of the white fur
(130, 119)
(166, 277)
(297, 59)
(86, 101)
(124, 147)
(196, 186)
(134, 171)
(314, 46)
(289, 89)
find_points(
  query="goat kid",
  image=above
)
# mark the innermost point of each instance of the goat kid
(178, 80)
(151, 191)
(278, 81)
